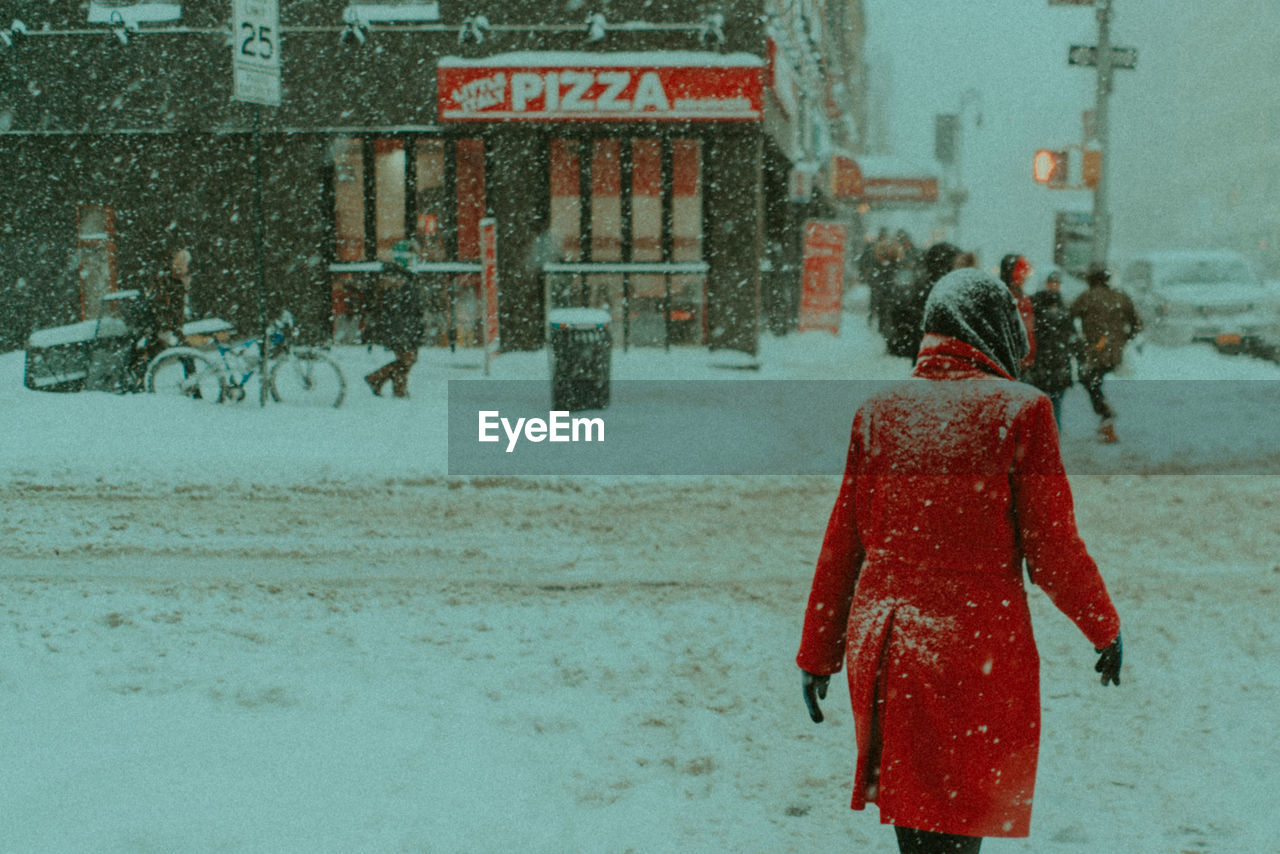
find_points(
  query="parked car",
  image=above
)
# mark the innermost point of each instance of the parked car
(1186, 295)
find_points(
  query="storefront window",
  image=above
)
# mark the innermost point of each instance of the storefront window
(688, 292)
(348, 216)
(605, 289)
(389, 184)
(389, 189)
(637, 201)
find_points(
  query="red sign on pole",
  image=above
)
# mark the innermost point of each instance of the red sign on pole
(823, 276)
(489, 284)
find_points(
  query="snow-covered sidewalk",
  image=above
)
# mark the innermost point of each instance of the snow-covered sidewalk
(303, 716)
(1181, 410)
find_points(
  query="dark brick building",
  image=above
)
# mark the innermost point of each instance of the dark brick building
(657, 157)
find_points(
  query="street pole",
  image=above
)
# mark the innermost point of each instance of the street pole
(258, 241)
(959, 193)
(1101, 216)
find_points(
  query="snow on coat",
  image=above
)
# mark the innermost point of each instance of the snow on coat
(952, 479)
(974, 307)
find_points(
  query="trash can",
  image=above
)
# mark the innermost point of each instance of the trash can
(581, 353)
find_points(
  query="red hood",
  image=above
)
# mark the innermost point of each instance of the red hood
(944, 358)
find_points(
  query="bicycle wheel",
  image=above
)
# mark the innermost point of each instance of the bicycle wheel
(307, 377)
(186, 372)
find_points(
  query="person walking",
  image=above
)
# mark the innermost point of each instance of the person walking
(398, 326)
(167, 300)
(866, 270)
(1057, 344)
(952, 480)
(908, 309)
(1108, 321)
(886, 257)
(1014, 272)
(164, 307)
(912, 256)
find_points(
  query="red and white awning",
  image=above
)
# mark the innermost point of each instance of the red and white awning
(881, 181)
(554, 86)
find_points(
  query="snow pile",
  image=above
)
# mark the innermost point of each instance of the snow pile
(1193, 411)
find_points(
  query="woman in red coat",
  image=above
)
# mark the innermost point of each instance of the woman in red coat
(952, 480)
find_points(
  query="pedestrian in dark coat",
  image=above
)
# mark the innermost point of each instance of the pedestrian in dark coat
(866, 267)
(397, 326)
(886, 257)
(952, 480)
(164, 308)
(1108, 321)
(1057, 345)
(912, 256)
(908, 310)
(167, 304)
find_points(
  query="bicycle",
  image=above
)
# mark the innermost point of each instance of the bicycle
(295, 374)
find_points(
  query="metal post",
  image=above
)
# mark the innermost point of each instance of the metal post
(959, 193)
(1101, 216)
(259, 237)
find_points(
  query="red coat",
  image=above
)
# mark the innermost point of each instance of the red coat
(952, 479)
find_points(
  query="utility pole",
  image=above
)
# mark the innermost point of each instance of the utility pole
(255, 69)
(1095, 165)
(949, 150)
(1101, 214)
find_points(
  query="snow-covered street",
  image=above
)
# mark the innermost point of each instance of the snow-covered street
(233, 629)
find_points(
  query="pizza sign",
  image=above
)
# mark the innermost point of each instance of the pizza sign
(491, 92)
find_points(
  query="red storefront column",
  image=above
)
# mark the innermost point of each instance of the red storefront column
(470, 173)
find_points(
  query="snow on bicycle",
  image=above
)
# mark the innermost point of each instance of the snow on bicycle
(295, 374)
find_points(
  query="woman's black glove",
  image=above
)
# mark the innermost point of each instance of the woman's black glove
(815, 687)
(1109, 661)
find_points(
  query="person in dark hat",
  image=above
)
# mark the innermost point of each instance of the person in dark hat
(1108, 321)
(1058, 346)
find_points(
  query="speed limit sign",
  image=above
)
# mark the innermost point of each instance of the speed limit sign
(255, 45)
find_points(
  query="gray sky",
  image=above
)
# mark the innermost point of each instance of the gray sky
(1014, 53)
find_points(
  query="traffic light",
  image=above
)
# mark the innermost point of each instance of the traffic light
(1091, 167)
(1049, 167)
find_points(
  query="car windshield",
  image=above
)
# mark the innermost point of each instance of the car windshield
(1208, 271)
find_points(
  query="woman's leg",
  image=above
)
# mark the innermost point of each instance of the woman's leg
(379, 377)
(400, 374)
(913, 841)
(1091, 379)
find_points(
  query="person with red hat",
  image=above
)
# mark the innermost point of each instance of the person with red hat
(1015, 270)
